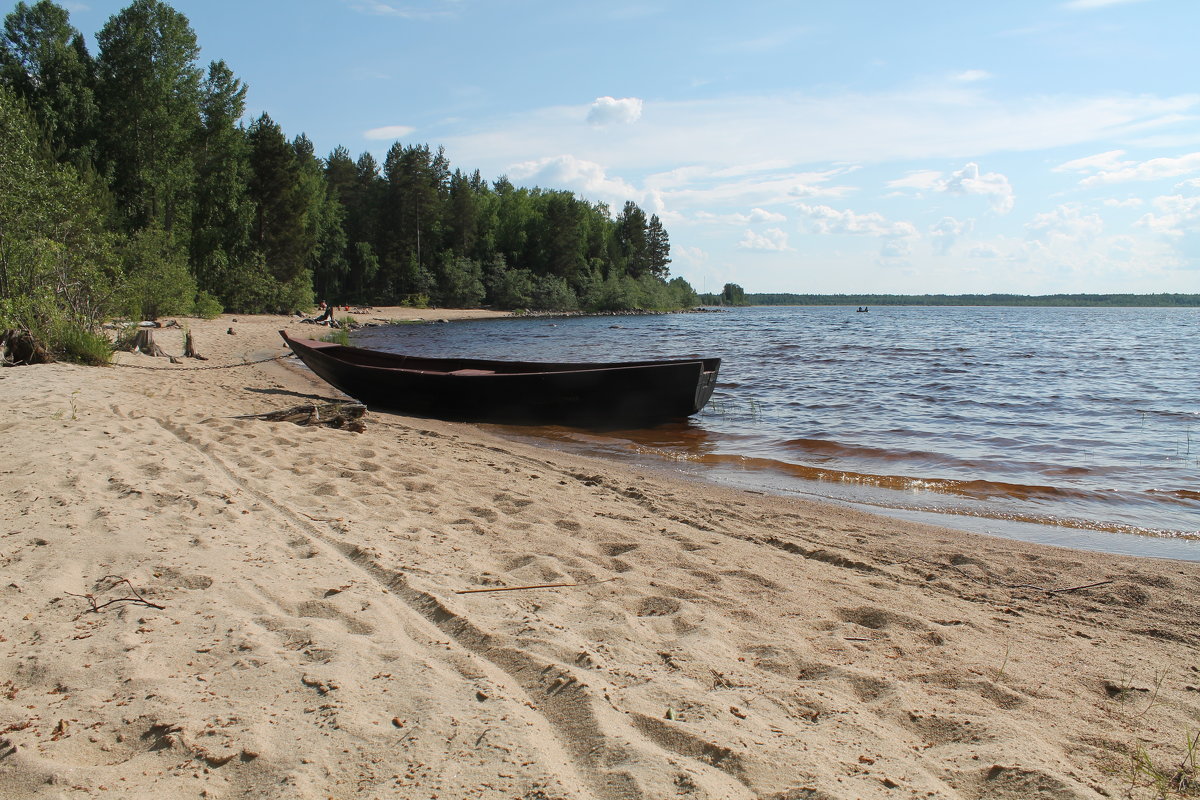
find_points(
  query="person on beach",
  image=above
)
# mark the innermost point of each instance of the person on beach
(327, 315)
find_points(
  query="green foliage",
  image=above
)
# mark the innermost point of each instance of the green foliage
(223, 215)
(217, 214)
(415, 300)
(73, 342)
(255, 289)
(58, 273)
(551, 293)
(45, 62)
(731, 295)
(460, 283)
(147, 80)
(510, 288)
(207, 306)
(157, 279)
(1163, 781)
(337, 336)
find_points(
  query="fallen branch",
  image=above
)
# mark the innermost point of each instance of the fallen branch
(995, 581)
(137, 597)
(537, 586)
(347, 416)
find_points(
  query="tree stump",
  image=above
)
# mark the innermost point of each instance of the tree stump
(18, 347)
(189, 348)
(144, 343)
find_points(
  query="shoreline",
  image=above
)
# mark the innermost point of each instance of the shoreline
(712, 642)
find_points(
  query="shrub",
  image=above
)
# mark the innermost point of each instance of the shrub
(157, 282)
(73, 342)
(207, 306)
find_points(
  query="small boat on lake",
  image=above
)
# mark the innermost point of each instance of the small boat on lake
(622, 394)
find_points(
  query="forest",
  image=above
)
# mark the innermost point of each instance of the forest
(132, 186)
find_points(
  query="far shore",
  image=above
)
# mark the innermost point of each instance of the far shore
(198, 602)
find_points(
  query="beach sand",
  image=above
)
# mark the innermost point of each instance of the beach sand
(312, 643)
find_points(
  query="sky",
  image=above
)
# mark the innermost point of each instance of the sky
(857, 146)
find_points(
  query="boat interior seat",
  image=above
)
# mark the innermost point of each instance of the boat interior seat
(472, 372)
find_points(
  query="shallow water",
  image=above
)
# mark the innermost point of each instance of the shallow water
(1079, 424)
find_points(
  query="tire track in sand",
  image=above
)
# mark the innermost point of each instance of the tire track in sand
(595, 744)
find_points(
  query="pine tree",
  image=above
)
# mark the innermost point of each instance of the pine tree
(223, 214)
(632, 238)
(658, 248)
(279, 233)
(149, 92)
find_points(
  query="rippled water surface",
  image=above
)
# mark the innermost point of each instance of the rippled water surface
(1073, 426)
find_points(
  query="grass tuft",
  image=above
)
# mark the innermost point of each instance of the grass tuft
(1166, 782)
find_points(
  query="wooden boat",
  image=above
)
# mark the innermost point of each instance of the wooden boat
(609, 395)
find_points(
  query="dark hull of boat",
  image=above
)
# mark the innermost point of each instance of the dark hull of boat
(597, 395)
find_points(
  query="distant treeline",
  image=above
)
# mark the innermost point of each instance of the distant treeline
(1061, 300)
(130, 185)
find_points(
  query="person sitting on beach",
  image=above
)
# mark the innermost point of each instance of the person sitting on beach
(326, 316)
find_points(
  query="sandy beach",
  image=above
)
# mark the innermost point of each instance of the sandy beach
(297, 616)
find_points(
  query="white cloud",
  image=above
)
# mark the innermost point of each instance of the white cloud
(799, 129)
(985, 251)
(758, 186)
(831, 220)
(390, 8)
(1131, 202)
(1087, 5)
(993, 185)
(1154, 169)
(946, 232)
(389, 132)
(611, 111)
(693, 256)
(972, 75)
(968, 180)
(772, 239)
(568, 172)
(762, 215)
(1176, 215)
(810, 190)
(1065, 222)
(896, 238)
(918, 179)
(1101, 162)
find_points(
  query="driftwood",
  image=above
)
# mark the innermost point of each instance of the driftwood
(347, 416)
(189, 348)
(19, 347)
(535, 586)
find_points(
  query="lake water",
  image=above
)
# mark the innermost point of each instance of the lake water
(1070, 426)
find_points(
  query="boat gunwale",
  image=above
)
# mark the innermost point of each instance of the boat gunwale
(334, 351)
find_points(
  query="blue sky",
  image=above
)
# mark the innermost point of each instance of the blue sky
(853, 146)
